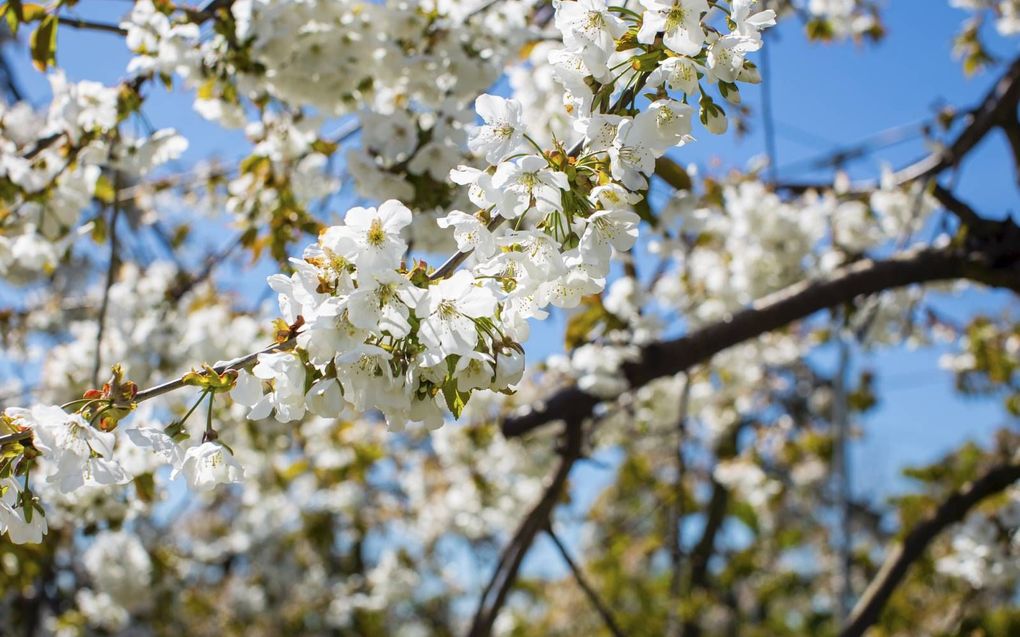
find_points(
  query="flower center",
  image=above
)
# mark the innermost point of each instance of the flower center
(528, 180)
(447, 310)
(593, 21)
(376, 235)
(675, 18)
(214, 460)
(386, 292)
(503, 129)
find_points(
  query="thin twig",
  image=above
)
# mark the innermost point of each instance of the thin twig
(768, 123)
(90, 25)
(189, 281)
(457, 259)
(15, 437)
(111, 275)
(582, 581)
(454, 262)
(496, 590)
(841, 473)
(235, 364)
(42, 145)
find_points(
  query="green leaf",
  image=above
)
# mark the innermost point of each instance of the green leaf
(456, 400)
(32, 12)
(43, 43)
(104, 190)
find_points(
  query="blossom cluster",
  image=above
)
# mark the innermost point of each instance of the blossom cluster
(77, 466)
(1005, 12)
(52, 168)
(374, 332)
(985, 548)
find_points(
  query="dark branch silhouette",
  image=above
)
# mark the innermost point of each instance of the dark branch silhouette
(996, 264)
(953, 509)
(600, 606)
(494, 596)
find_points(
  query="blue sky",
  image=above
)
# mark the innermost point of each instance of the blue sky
(824, 97)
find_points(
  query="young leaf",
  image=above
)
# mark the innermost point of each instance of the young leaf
(43, 43)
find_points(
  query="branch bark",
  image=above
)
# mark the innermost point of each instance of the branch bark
(1000, 267)
(494, 596)
(91, 25)
(589, 590)
(952, 510)
(996, 110)
(715, 515)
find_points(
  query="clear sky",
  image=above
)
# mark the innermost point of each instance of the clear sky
(824, 97)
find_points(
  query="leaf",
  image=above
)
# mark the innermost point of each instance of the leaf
(104, 190)
(209, 380)
(32, 12)
(456, 400)
(43, 43)
(145, 487)
(324, 147)
(581, 323)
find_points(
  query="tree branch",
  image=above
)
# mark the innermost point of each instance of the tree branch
(952, 510)
(451, 264)
(677, 513)
(207, 12)
(963, 212)
(90, 25)
(997, 109)
(589, 591)
(455, 260)
(998, 106)
(237, 363)
(494, 596)
(715, 515)
(999, 267)
(1013, 137)
(805, 298)
(111, 275)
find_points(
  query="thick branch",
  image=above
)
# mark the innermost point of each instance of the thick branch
(1013, 137)
(803, 299)
(952, 510)
(773, 312)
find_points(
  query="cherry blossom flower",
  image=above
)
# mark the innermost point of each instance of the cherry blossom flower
(370, 237)
(679, 20)
(207, 465)
(502, 132)
(447, 311)
(530, 184)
